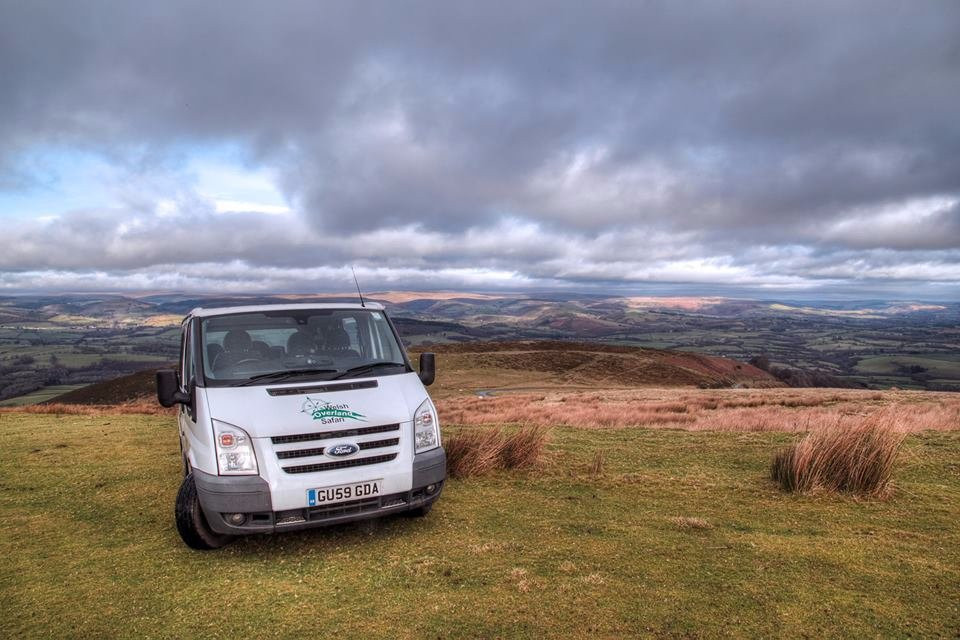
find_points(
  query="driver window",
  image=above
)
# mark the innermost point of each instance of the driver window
(189, 371)
(183, 353)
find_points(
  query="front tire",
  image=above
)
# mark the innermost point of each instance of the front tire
(192, 524)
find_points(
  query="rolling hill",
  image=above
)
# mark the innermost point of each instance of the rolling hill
(488, 366)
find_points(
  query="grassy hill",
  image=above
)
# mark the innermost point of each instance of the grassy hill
(678, 534)
(511, 365)
(128, 388)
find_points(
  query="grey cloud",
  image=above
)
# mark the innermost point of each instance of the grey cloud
(936, 228)
(628, 136)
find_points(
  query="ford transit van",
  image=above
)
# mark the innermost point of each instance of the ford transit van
(295, 416)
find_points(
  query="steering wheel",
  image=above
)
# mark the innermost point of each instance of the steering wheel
(220, 361)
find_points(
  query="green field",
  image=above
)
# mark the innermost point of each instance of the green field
(71, 356)
(40, 395)
(943, 366)
(90, 549)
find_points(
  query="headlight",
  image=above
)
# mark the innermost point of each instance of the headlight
(235, 454)
(426, 430)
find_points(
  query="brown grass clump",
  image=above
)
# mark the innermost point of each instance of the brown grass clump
(852, 458)
(597, 464)
(524, 447)
(684, 522)
(474, 453)
(477, 452)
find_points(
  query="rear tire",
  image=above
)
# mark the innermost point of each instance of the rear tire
(192, 524)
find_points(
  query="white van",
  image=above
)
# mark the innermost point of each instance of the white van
(300, 415)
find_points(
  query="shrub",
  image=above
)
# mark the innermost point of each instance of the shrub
(854, 458)
(477, 452)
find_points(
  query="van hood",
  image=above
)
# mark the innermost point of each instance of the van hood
(306, 407)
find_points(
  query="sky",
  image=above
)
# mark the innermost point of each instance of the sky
(748, 148)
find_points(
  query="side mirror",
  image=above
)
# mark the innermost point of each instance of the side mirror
(168, 389)
(428, 368)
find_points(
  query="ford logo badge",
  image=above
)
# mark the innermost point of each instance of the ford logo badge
(342, 450)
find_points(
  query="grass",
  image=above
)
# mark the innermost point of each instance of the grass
(89, 547)
(141, 406)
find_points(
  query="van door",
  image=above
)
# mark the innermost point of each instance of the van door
(187, 418)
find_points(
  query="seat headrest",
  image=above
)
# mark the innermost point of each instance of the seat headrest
(300, 343)
(237, 340)
(338, 339)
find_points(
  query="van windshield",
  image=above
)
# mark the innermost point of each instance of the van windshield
(298, 344)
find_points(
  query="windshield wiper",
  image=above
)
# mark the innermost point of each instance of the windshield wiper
(281, 375)
(363, 368)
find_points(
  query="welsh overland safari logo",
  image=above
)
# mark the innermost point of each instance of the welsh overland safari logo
(329, 413)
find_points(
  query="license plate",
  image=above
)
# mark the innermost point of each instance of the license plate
(344, 492)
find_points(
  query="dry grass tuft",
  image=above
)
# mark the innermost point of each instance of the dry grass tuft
(685, 523)
(855, 458)
(594, 579)
(597, 464)
(524, 447)
(476, 452)
(567, 567)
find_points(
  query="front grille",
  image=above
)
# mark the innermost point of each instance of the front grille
(377, 444)
(343, 508)
(306, 453)
(326, 435)
(299, 453)
(340, 464)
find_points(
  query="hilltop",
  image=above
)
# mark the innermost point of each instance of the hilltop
(529, 365)
(130, 388)
(506, 366)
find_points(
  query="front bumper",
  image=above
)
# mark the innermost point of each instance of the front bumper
(250, 495)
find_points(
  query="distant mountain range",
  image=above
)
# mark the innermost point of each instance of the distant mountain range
(77, 338)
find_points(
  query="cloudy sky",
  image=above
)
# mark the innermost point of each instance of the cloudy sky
(760, 148)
